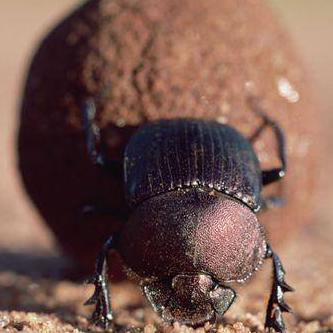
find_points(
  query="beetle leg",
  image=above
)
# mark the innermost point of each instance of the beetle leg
(257, 133)
(103, 313)
(276, 304)
(275, 174)
(94, 141)
(92, 132)
(272, 175)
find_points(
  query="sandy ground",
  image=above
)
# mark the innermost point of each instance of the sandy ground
(34, 298)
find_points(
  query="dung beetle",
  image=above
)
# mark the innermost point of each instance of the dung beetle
(194, 189)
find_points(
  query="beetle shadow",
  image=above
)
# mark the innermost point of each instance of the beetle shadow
(34, 265)
(27, 281)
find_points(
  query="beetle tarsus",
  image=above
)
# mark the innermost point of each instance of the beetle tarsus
(276, 304)
(102, 315)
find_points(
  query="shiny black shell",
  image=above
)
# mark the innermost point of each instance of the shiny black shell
(167, 155)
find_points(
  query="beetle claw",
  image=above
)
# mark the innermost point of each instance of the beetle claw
(286, 288)
(99, 319)
(285, 307)
(275, 322)
(102, 315)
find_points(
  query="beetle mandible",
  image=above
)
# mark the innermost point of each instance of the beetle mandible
(194, 188)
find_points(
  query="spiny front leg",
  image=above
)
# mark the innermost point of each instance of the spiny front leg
(102, 314)
(276, 304)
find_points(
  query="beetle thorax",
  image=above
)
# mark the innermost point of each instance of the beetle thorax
(191, 231)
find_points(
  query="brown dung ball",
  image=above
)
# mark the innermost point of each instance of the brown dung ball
(149, 59)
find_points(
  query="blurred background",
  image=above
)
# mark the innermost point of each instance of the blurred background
(23, 23)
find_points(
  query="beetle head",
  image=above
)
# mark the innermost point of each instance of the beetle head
(189, 299)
